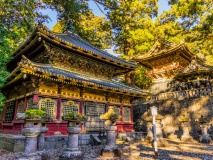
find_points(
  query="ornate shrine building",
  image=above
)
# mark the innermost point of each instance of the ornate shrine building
(181, 82)
(63, 73)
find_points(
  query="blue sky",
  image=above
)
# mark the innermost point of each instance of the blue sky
(163, 5)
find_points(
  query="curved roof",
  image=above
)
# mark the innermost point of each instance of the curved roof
(195, 67)
(66, 76)
(163, 48)
(70, 41)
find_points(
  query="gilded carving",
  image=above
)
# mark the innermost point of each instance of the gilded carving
(71, 61)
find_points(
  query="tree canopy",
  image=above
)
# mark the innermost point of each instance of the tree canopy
(130, 26)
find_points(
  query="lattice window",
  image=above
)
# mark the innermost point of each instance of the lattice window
(9, 112)
(126, 114)
(93, 111)
(49, 106)
(21, 107)
(30, 103)
(100, 108)
(68, 107)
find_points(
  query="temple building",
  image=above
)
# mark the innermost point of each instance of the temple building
(181, 82)
(62, 73)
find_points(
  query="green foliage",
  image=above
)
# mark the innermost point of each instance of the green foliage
(131, 26)
(91, 28)
(35, 113)
(141, 80)
(74, 116)
(5, 53)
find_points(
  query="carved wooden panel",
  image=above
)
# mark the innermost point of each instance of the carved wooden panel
(94, 97)
(114, 99)
(75, 62)
(48, 87)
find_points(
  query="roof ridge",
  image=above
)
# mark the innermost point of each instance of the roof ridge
(77, 37)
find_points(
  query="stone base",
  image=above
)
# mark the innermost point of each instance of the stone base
(110, 152)
(74, 155)
(12, 143)
(205, 138)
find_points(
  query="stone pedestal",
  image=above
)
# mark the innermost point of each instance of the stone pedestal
(31, 131)
(111, 149)
(72, 151)
(41, 138)
(205, 138)
(149, 136)
(159, 131)
(186, 136)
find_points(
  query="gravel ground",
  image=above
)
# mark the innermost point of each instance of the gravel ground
(176, 150)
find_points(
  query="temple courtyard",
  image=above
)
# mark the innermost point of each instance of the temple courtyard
(175, 150)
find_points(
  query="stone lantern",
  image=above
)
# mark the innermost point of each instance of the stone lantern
(159, 132)
(159, 126)
(204, 123)
(44, 129)
(184, 121)
(72, 151)
(111, 149)
(31, 130)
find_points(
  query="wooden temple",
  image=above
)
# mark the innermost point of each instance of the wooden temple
(182, 83)
(62, 73)
(164, 60)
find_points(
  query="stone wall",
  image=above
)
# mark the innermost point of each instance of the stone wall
(171, 109)
(15, 143)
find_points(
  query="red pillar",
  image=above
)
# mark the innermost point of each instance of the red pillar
(121, 113)
(14, 116)
(121, 129)
(107, 107)
(25, 104)
(35, 98)
(131, 113)
(25, 108)
(59, 105)
(16, 109)
(81, 105)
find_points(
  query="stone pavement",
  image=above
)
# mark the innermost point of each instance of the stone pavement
(176, 150)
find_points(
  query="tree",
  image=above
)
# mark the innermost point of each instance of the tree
(93, 29)
(132, 24)
(19, 17)
(194, 19)
(5, 53)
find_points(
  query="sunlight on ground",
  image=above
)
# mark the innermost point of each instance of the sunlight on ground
(181, 157)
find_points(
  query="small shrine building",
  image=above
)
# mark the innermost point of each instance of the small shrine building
(62, 73)
(181, 82)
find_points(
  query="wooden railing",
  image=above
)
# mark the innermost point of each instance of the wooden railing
(183, 94)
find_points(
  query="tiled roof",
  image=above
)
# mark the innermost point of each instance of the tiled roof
(78, 41)
(67, 76)
(160, 48)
